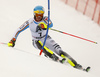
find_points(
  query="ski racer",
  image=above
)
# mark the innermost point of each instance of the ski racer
(38, 26)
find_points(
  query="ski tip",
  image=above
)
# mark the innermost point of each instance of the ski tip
(87, 69)
(95, 42)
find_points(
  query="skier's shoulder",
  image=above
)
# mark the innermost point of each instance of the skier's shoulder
(30, 20)
(45, 18)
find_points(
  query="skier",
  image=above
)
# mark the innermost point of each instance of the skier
(38, 26)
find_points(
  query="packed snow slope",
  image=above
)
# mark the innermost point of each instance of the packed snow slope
(24, 61)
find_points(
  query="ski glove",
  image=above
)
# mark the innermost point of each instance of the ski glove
(43, 25)
(12, 42)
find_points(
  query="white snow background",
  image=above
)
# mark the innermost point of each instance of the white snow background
(24, 61)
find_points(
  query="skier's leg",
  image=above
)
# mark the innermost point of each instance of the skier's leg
(46, 51)
(51, 44)
(70, 60)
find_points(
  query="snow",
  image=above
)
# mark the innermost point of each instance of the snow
(24, 61)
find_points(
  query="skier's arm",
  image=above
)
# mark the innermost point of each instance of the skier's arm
(18, 31)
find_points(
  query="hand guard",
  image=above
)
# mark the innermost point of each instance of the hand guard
(12, 42)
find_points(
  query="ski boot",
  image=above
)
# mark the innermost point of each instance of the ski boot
(62, 61)
(54, 57)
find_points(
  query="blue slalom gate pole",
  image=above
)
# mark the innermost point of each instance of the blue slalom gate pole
(47, 27)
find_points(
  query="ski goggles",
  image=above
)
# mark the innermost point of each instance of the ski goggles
(37, 14)
(39, 11)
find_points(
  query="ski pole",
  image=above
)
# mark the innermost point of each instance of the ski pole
(47, 28)
(74, 36)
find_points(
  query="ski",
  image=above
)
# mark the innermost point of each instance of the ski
(63, 61)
